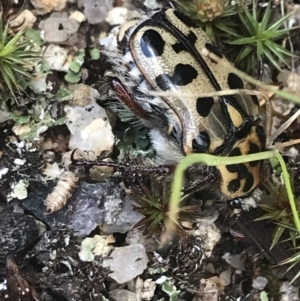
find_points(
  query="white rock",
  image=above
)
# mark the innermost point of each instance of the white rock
(39, 84)
(225, 277)
(237, 261)
(122, 295)
(3, 172)
(43, 7)
(19, 190)
(86, 255)
(52, 171)
(127, 262)
(55, 56)
(24, 20)
(78, 16)
(209, 235)
(148, 290)
(289, 292)
(21, 129)
(259, 283)
(90, 129)
(117, 16)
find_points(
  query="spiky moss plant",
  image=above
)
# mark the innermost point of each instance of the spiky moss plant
(258, 38)
(16, 60)
(153, 202)
(280, 213)
(247, 34)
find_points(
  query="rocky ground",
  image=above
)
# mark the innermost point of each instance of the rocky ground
(67, 233)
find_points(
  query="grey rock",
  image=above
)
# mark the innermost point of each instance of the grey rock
(60, 30)
(126, 263)
(84, 211)
(18, 231)
(95, 10)
(259, 283)
(121, 220)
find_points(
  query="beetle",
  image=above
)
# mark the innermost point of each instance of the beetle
(164, 53)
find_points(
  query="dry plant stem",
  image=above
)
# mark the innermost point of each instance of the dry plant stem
(284, 126)
(291, 97)
(211, 160)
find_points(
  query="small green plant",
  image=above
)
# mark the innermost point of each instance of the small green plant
(16, 60)
(256, 38)
(74, 74)
(279, 212)
(153, 203)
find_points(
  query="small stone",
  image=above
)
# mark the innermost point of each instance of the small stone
(210, 268)
(55, 56)
(209, 235)
(43, 7)
(211, 288)
(78, 16)
(83, 95)
(102, 247)
(18, 231)
(259, 283)
(87, 125)
(40, 85)
(117, 16)
(120, 217)
(237, 261)
(136, 236)
(127, 263)
(83, 212)
(148, 289)
(101, 173)
(23, 21)
(289, 292)
(122, 295)
(60, 30)
(18, 190)
(225, 277)
(95, 10)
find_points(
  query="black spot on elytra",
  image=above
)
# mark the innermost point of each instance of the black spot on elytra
(183, 75)
(204, 105)
(185, 19)
(215, 50)
(235, 152)
(178, 47)
(248, 183)
(255, 100)
(253, 149)
(243, 131)
(192, 38)
(152, 43)
(261, 134)
(240, 169)
(201, 143)
(234, 185)
(232, 167)
(234, 82)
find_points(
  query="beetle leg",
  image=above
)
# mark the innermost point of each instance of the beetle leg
(123, 95)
